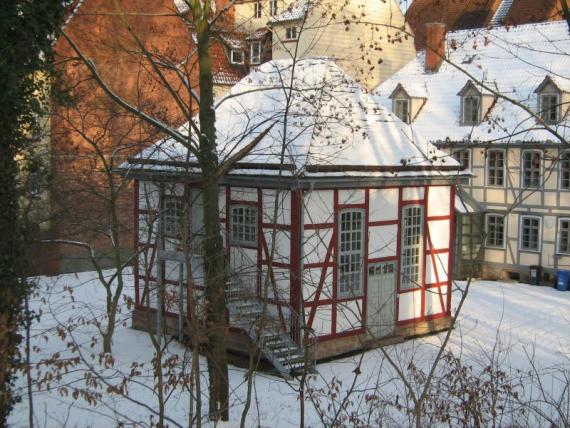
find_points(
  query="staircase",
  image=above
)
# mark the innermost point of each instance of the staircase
(271, 332)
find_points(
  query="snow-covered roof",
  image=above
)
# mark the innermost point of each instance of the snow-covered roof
(514, 61)
(334, 128)
(294, 12)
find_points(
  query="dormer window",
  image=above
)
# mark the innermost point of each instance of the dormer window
(236, 56)
(402, 109)
(549, 107)
(255, 53)
(408, 101)
(291, 33)
(476, 103)
(550, 98)
(471, 110)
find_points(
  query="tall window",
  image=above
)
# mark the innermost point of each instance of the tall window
(350, 250)
(564, 236)
(495, 168)
(291, 33)
(255, 57)
(257, 10)
(243, 225)
(412, 241)
(531, 170)
(172, 216)
(462, 156)
(565, 171)
(549, 107)
(402, 109)
(495, 230)
(471, 110)
(273, 7)
(530, 233)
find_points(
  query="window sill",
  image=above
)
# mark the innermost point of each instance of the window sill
(527, 250)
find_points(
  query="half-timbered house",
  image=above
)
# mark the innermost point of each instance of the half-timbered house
(339, 223)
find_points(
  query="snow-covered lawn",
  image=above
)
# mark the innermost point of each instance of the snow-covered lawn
(517, 328)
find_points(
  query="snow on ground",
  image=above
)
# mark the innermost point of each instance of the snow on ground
(509, 324)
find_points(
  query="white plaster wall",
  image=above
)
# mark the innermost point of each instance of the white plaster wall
(433, 301)
(439, 233)
(315, 245)
(441, 263)
(149, 195)
(323, 320)
(349, 316)
(351, 196)
(439, 201)
(409, 305)
(311, 278)
(244, 194)
(282, 246)
(383, 204)
(283, 199)
(382, 241)
(318, 206)
(282, 280)
(413, 193)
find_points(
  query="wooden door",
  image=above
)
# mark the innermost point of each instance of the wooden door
(381, 315)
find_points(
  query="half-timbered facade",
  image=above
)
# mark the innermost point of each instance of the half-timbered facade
(338, 223)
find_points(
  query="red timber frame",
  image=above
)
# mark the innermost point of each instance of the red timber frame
(296, 268)
(330, 260)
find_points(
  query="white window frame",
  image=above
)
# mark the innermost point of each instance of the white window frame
(232, 57)
(171, 219)
(412, 254)
(398, 102)
(488, 234)
(564, 164)
(255, 59)
(464, 105)
(539, 237)
(354, 253)
(291, 33)
(488, 167)
(257, 10)
(243, 225)
(533, 170)
(559, 236)
(545, 112)
(273, 7)
(457, 156)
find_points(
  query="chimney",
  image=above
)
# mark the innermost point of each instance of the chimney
(435, 46)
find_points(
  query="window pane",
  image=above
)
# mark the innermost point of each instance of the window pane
(495, 168)
(565, 171)
(564, 236)
(495, 230)
(244, 224)
(412, 233)
(530, 233)
(531, 169)
(350, 253)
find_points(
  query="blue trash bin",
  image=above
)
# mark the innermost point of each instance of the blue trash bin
(562, 280)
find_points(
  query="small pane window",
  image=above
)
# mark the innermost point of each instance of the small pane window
(549, 107)
(255, 53)
(530, 233)
(291, 33)
(244, 224)
(471, 107)
(402, 109)
(273, 8)
(172, 216)
(412, 241)
(496, 168)
(495, 230)
(565, 171)
(351, 247)
(237, 56)
(462, 156)
(257, 9)
(531, 169)
(564, 236)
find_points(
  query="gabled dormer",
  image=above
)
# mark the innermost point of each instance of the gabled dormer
(552, 99)
(407, 102)
(476, 104)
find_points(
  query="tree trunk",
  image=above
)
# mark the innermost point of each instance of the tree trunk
(214, 263)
